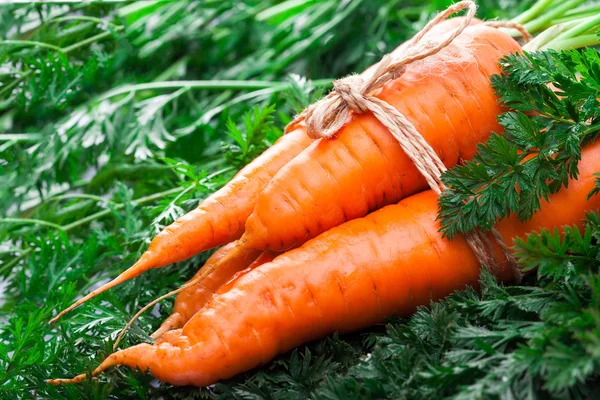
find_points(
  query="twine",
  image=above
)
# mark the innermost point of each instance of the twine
(511, 25)
(327, 116)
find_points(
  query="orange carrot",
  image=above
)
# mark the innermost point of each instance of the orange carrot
(348, 278)
(193, 298)
(266, 257)
(447, 97)
(221, 218)
(196, 296)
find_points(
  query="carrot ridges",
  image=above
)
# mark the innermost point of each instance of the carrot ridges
(219, 219)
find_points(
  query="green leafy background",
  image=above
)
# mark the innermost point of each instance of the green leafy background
(103, 145)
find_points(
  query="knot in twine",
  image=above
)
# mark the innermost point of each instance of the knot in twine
(353, 93)
(325, 117)
(350, 91)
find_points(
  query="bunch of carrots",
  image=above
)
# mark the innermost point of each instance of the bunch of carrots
(337, 234)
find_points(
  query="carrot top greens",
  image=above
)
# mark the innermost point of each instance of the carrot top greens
(540, 147)
(114, 120)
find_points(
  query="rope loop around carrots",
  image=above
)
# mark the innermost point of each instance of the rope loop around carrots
(353, 94)
(511, 25)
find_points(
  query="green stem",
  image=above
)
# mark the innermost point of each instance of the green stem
(99, 214)
(139, 8)
(533, 11)
(134, 7)
(7, 145)
(183, 193)
(175, 95)
(15, 260)
(207, 116)
(584, 10)
(586, 25)
(79, 196)
(31, 221)
(103, 213)
(65, 50)
(301, 47)
(89, 40)
(545, 19)
(90, 218)
(208, 84)
(31, 43)
(73, 8)
(286, 7)
(139, 201)
(173, 70)
(580, 12)
(575, 43)
(592, 129)
(563, 36)
(36, 201)
(8, 88)
(566, 35)
(20, 137)
(81, 18)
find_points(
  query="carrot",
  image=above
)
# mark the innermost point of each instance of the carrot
(193, 298)
(266, 257)
(349, 278)
(447, 97)
(196, 296)
(221, 218)
(218, 220)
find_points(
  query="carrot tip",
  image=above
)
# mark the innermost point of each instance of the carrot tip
(174, 321)
(60, 314)
(143, 264)
(66, 381)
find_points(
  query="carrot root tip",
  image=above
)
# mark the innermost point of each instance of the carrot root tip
(67, 381)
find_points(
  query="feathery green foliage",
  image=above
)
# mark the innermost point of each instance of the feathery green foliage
(113, 122)
(540, 147)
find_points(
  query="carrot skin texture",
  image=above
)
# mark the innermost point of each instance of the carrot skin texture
(448, 99)
(265, 257)
(221, 217)
(189, 301)
(238, 197)
(192, 299)
(348, 278)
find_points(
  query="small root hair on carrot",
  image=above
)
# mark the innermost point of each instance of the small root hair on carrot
(238, 251)
(153, 302)
(173, 321)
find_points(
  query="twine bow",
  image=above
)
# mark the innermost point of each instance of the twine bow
(353, 94)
